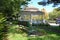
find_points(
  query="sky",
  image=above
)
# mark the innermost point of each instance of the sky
(48, 8)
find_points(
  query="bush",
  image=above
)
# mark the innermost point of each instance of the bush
(24, 23)
(42, 24)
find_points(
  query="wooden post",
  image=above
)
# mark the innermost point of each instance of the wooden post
(31, 19)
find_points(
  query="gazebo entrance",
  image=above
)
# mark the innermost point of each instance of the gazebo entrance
(32, 15)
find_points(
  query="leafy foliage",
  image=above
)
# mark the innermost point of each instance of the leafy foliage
(55, 14)
(45, 2)
(9, 13)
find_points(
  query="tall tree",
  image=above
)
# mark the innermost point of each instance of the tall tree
(9, 11)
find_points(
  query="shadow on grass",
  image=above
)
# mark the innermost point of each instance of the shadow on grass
(52, 30)
(44, 38)
(49, 29)
(52, 33)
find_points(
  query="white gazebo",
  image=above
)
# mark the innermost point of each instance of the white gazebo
(30, 13)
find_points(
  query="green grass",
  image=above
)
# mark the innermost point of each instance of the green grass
(16, 37)
(14, 34)
(45, 37)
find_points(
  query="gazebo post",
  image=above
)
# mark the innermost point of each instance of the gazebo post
(42, 18)
(31, 19)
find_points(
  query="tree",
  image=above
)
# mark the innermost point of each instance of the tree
(45, 2)
(55, 14)
(9, 11)
(46, 15)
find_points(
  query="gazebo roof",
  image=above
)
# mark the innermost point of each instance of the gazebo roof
(32, 12)
(31, 8)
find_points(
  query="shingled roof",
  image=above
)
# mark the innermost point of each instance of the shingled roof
(31, 8)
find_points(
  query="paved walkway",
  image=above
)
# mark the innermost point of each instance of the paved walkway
(53, 24)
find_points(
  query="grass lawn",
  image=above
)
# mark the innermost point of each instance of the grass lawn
(45, 37)
(14, 34)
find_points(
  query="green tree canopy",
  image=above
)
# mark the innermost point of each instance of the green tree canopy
(11, 8)
(45, 2)
(55, 14)
(9, 11)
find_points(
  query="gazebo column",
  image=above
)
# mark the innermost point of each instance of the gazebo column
(21, 17)
(31, 19)
(43, 18)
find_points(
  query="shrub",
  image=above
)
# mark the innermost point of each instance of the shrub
(24, 23)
